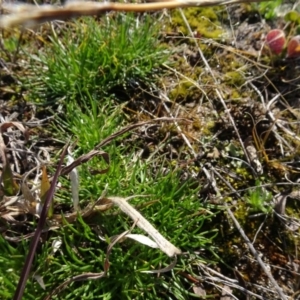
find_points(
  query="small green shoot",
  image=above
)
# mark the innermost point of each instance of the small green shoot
(45, 186)
(269, 9)
(10, 187)
(259, 199)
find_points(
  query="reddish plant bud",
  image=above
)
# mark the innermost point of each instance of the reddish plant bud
(275, 39)
(293, 48)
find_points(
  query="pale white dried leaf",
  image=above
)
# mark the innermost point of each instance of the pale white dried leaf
(56, 244)
(8, 217)
(38, 208)
(74, 178)
(142, 239)
(10, 200)
(40, 281)
(199, 291)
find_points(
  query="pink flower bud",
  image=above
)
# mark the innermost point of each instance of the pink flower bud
(293, 48)
(275, 39)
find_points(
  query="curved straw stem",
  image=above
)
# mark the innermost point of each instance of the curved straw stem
(30, 15)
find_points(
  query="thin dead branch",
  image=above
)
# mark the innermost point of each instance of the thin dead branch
(30, 15)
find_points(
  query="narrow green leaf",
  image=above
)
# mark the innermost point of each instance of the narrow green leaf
(10, 187)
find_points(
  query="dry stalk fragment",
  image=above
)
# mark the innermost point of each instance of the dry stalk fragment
(142, 223)
(31, 15)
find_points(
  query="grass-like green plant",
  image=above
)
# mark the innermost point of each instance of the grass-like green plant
(175, 211)
(268, 9)
(86, 62)
(82, 251)
(11, 259)
(92, 57)
(173, 214)
(172, 206)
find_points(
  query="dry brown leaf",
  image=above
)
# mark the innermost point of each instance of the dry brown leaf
(5, 125)
(227, 293)
(199, 291)
(30, 200)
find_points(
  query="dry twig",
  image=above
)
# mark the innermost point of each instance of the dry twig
(141, 222)
(30, 15)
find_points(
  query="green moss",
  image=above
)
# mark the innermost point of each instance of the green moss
(241, 213)
(203, 21)
(234, 78)
(235, 95)
(208, 129)
(185, 91)
(197, 124)
(242, 172)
